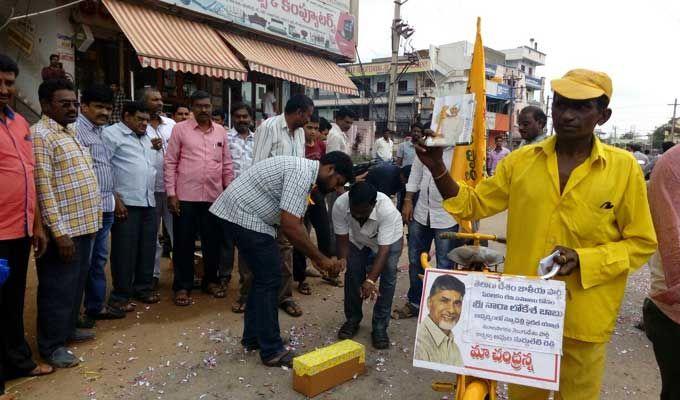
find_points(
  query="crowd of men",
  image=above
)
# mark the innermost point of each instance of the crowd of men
(82, 177)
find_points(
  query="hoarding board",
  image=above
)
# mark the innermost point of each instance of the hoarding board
(325, 24)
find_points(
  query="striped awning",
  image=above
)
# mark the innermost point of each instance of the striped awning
(291, 65)
(169, 42)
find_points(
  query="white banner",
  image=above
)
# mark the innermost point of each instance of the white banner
(325, 24)
(502, 328)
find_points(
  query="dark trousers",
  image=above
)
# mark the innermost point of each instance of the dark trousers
(95, 288)
(316, 217)
(261, 320)
(359, 263)
(133, 250)
(195, 217)
(665, 336)
(15, 354)
(60, 293)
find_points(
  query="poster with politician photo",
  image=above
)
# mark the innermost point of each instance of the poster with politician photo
(505, 328)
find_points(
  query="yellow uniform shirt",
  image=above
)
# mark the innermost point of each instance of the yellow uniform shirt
(603, 214)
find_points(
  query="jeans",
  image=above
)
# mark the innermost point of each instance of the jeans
(261, 319)
(359, 263)
(60, 293)
(15, 354)
(133, 247)
(95, 287)
(420, 239)
(193, 218)
(162, 214)
(664, 334)
(317, 217)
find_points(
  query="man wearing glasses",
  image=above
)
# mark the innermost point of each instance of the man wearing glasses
(70, 202)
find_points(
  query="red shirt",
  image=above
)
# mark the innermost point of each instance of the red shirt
(17, 195)
(315, 151)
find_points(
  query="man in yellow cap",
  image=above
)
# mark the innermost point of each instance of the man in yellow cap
(572, 194)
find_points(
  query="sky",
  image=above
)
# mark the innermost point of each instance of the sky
(636, 42)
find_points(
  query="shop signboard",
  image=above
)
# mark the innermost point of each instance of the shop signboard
(325, 24)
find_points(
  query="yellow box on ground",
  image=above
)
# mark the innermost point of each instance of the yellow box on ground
(327, 367)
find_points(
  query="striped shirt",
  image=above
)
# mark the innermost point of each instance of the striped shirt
(241, 151)
(256, 198)
(65, 180)
(273, 139)
(90, 136)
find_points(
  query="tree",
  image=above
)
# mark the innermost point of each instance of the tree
(659, 136)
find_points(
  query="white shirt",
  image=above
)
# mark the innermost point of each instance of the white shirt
(241, 151)
(429, 211)
(337, 140)
(383, 227)
(268, 103)
(383, 148)
(163, 131)
(256, 198)
(272, 138)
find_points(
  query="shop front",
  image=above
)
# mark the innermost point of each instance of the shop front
(178, 51)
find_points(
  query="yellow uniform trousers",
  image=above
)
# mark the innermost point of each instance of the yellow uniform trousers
(581, 374)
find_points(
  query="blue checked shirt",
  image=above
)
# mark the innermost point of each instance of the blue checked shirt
(90, 136)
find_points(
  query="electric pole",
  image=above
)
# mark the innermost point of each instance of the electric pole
(675, 106)
(399, 29)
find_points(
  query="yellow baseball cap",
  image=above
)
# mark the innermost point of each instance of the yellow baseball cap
(583, 84)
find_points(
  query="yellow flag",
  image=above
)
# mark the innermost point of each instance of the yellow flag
(469, 161)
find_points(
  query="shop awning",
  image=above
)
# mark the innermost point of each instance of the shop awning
(169, 42)
(291, 65)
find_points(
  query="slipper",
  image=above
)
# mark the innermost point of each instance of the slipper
(239, 306)
(335, 281)
(152, 298)
(304, 288)
(182, 298)
(41, 370)
(126, 306)
(291, 308)
(215, 290)
(285, 358)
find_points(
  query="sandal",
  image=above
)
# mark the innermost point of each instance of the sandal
(239, 306)
(41, 370)
(125, 306)
(404, 313)
(182, 298)
(334, 281)
(283, 359)
(216, 290)
(304, 288)
(291, 308)
(151, 298)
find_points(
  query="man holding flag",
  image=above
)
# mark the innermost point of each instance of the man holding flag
(572, 194)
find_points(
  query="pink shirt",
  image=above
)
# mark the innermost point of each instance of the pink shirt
(493, 157)
(197, 164)
(664, 200)
(17, 164)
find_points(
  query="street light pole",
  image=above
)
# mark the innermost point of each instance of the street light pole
(392, 100)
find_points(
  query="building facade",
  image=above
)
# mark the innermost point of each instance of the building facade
(511, 85)
(237, 51)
